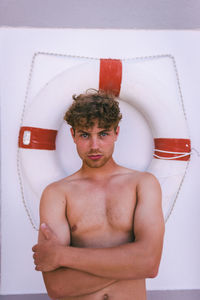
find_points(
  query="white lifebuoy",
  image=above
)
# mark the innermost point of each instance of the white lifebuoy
(159, 103)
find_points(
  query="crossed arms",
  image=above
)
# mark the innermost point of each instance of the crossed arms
(70, 271)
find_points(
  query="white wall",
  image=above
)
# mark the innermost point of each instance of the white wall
(180, 264)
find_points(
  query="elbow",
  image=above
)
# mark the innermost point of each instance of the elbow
(153, 262)
(51, 286)
(153, 272)
(56, 292)
(53, 293)
(153, 268)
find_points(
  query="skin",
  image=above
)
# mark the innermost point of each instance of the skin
(102, 228)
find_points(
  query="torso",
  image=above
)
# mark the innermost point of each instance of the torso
(101, 214)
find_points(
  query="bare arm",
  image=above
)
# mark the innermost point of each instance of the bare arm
(136, 260)
(63, 281)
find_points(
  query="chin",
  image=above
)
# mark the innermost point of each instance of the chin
(97, 164)
(94, 165)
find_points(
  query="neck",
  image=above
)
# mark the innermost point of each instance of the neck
(99, 173)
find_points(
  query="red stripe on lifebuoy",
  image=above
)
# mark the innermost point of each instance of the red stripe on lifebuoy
(110, 76)
(172, 145)
(37, 138)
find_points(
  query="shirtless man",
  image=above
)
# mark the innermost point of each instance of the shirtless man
(102, 228)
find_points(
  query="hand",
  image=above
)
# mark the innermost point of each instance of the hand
(47, 252)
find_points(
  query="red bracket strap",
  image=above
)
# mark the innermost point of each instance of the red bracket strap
(110, 76)
(178, 147)
(37, 138)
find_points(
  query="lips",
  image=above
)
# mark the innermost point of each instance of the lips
(95, 157)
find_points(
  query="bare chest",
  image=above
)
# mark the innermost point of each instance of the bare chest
(101, 209)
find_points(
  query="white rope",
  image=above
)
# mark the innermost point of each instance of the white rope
(182, 154)
(171, 158)
(172, 152)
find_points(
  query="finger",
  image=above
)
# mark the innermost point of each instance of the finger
(46, 231)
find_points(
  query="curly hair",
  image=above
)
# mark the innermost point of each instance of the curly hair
(91, 106)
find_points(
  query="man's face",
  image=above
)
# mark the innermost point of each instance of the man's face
(95, 145)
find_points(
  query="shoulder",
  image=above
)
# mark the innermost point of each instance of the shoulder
(53, 193)
(53, 188)
(124, 172)
(147, 178)
(139, 177)
(148, 186)
(60, 188)
(53, 201)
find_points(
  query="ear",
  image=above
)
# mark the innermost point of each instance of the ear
(117, 132)
(72, 133)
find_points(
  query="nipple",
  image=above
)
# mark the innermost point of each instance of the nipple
(105, 297)
(74, 227)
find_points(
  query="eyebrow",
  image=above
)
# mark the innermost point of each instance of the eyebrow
(103, 130)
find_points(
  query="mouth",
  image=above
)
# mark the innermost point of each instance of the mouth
(95, 157)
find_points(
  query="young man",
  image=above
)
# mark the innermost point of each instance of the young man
(102, 228)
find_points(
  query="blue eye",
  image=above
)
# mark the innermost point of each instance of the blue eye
(103, 134)
(84, 135)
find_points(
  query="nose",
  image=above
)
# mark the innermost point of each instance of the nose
(94, 142)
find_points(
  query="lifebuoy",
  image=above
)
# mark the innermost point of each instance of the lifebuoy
(132, 82)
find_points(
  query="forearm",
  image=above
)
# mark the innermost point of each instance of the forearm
(64, 282)
(129, 261)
